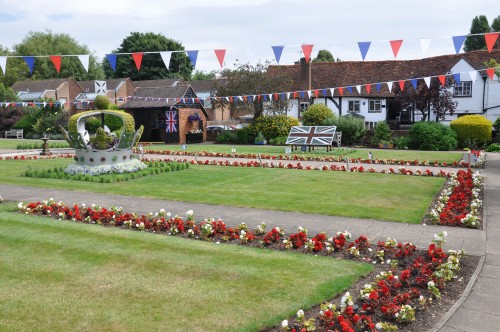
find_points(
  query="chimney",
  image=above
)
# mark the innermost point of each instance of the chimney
(305, 75)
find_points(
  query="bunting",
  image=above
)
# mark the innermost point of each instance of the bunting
(277, 50)
(458, 42)
(56, 60)
(220, 54)
(424, 44)
(3, 64)
(165, 56)
(456, 77)
(30, 61)
(389, 86)
(442, 79)
(395, 46)
(490, 39)
(490, 72)
(193, 56)
(111, 60)
(363, 48)
(307, 49)
(84, 59)
(137, 56)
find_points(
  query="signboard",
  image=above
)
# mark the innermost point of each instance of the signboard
(311, 135)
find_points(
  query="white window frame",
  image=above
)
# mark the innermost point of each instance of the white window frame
(354, 106)
(375, 105)
(464, 89)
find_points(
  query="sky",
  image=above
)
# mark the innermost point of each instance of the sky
(248, 28)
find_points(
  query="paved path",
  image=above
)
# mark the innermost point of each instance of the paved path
(479, 310)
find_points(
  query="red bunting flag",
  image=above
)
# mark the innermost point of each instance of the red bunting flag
(490, 72)
(316, 92)
(307, 49)
(56, 60)
(276, 96)
(341, 91)
(490, 39)
(368, 88)
(138, 59)
(220, 54)
(442, 79)
(396, 45)
(402, 85)
(295, 95)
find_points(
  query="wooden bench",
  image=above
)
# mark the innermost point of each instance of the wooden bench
(17, 133)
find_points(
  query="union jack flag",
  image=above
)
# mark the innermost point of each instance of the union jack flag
(171, 122)
(311, 135)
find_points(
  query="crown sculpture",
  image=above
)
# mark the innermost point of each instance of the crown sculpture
(104, 152)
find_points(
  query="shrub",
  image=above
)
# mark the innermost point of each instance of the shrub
(9, 116)
(382, 133)
(26, 123)
(472, 130)
(352, 128)
(402, 142)
(227, 136)
(278, 140)
(316, 115)
(273, 126)
(493, 148)
(242, 136)
(101, 102)
(113, 122)
(92, 124)
(496, 124)
(432, 136)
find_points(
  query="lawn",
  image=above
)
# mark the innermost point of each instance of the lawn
(364, 195)
(60, 276)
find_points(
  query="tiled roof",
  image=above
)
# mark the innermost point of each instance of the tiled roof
(169, 82)
(352, 73)
(111, 84)
(156, 97)
(39, 85)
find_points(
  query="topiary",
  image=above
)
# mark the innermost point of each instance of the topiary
(431, 136)
(472, 130)
(101, 102)
(316, 115)
(272, 126)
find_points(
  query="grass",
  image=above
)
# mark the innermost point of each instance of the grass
(12, 143)
(60, 276)
(376, 196)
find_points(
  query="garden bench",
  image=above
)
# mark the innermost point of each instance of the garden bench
(17, 133)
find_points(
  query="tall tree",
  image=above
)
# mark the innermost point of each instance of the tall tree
(6, 94)
(45, 44)
(252, 80)
(479, 25)
(200, 75)
(152, 66)
(324, 56)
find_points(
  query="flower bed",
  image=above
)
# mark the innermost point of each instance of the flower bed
(413, 281)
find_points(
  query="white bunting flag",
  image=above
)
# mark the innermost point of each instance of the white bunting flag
(332, 90)
(166, 58)
(3, 63)
(427, 81)
(288, 95)
(473, 75)
(389, 85)
(309, 93)
(424, 44)
(270, 96)
(358, 87)
(84, 59)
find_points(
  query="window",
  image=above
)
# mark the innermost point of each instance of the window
(354, 106)
(374, 105)
(370, 125)
(464, 89)
(303, 106)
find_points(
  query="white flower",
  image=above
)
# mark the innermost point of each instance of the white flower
(189, 213)
(300, 313)
(20, 205)
(284, 323)
(430, 284)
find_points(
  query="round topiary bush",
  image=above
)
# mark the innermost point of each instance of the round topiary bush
(432, 136)
(316, 115)
(473, 131)
(101, 102)
(273, 126)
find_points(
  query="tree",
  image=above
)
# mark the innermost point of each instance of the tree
(317, 115)
(200, 75)
(479, 25)
(324, 56)
(152, 66)
(248, 80)
(45, 44)
(6, 94)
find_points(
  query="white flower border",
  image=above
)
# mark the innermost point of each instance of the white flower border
(131, 166)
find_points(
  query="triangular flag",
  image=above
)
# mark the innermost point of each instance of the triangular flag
(363, 48)
(84, 59)
(341, 91)
(193, 56)
(112, 60)
(324, 92)
(30, 61)
(137, 59)
(442, 79)
(389, 86)
(458, 41)
(368, 88)
(309, 93)
(414, 83)
(349, 88)
(165, 56)
(491, 38)
(427, 81)
(473, 75)
(402, 84)
(56, 60)
(396, 45)
(295, 95)
(3, 64)
(220, 54)
(301, 94)
(288, 95)
(358, 87)
(332, 90)
(378, 86)
(490, 72)
(457, 78)
(424, 44)
(277, 52)
(307, 49)
(270, 96)
(316, 93)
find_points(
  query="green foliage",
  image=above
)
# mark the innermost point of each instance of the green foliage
(101, 140)
(113, 122)
(7, 94)
(101, 102)
(92, 124)
(273, 126)
(352, 128)
(227, 136)
(281, 140)
(50, 119)
(479, 25)
(316, 115)
(472, 130)
(382, 133)
(324, 56)
(200, 75)
(496, 124)
(243, 135)
(493, 148)
(401, 142)
(152, 66)
(260, 138)
(432, 136)
(9, 116)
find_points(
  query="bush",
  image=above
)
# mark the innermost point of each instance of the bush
(227, 136)
(496, 124)
(242, 136)
(9, 116)
(273, 126)
(26, 123)
(113, 122)
(382, 133)
(473, 131)
(432, 136)
(278, 140)
(92, 124)
(316, 115)
(402, 142)
(493, 148)
(101, 102)
(352, 128)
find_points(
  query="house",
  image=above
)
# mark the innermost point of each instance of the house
(170, 112)
(204, 90)
(349, 80)
(117, 90)
(62, 90)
